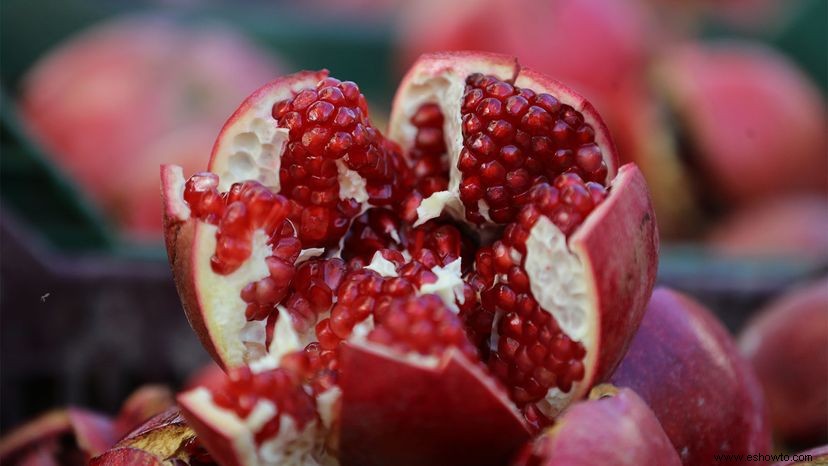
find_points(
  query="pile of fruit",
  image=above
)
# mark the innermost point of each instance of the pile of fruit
(473, 287)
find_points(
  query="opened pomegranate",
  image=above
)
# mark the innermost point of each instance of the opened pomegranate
(486, 258)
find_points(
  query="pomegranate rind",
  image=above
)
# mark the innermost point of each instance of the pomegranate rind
(618, 246)
(164, 437)
(219, 432)
(93, 433)
(790, 337)
(686, 367)
(394, 411)
(179, 238)
(619, 429)
(126, 456)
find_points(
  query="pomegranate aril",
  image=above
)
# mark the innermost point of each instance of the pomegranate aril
(329, 125)
(242, 390)
(422, 325)
(517, 128)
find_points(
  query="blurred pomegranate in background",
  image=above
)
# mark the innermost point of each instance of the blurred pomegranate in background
(601, 48)
(754, 125)
(787, 344)
(116, 101)
(795, 227)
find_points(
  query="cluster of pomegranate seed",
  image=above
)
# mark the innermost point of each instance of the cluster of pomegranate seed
(313, 290)
(329, 125)
(513, 138)
(246, 207)
(532, 355)
(429, 150)
(243, 390)
(422, 325)
(376, 229)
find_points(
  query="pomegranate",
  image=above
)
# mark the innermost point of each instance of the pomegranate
(774, 141)
(177, 82)
(163, 439)
(684, 364)
(786, 343)
(488, 248)
(789, 227)
(614, 427)
(69, 436)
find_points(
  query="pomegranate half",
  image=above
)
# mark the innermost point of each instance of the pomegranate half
(489, 251)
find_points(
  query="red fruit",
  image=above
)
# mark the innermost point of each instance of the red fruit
(774, 140)
(685, 365)
(164, 439)
(786, 344)
(71, 436)
(790, 227)
(571, 237)
(614, 427)
(134, 93)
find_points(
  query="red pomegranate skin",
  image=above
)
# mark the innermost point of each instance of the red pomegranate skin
(619, 429)
(132, 93)
(787, 344)
(686, 366)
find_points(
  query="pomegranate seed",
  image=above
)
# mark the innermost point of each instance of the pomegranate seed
(518, 128)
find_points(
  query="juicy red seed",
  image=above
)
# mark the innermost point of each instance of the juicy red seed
(519, 129)
(422, 325)
(242, 390)
(329, 125)
(429, 152)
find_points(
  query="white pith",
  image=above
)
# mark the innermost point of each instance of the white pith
(326, 405)
(382, 266)
(290, 447)
(447, 93)
(449, 285)
(173, 184)
(220, 296)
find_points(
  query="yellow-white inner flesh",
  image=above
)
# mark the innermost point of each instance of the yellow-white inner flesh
(557, 279)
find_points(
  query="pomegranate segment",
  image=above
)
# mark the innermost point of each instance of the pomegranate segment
(614, 427)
